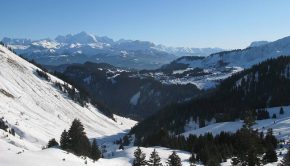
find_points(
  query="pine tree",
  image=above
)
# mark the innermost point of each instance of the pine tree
(64, 140)
(52, 143)
(174, 160)
(249, 120)
(121, 147)
(139, 158)
(154, 159)
(281, 111)
(270, 156)
(95, 151)
(79, 142)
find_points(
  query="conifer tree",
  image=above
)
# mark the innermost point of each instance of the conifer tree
(154, 159)
(52, 143)
(174, 160)
(270, 156)
(64, 140)
(286, 159)
(281, 112)
(139, 158)
(95, 151)
(79, 142)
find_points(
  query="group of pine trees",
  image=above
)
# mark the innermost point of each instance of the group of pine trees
(247, 146)
(154, 159)
(75, 140)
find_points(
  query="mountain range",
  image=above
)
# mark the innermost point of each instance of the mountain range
(82, 47)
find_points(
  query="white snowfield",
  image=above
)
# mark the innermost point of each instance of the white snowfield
(38, 111)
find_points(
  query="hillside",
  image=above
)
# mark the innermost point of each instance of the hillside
(39, 111)
(128, 93)
(248, 90)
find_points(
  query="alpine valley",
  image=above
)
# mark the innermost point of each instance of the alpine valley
(87, 100)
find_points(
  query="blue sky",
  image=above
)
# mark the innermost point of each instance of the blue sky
(193, 23)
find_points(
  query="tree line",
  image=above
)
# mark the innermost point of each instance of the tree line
(246, 146)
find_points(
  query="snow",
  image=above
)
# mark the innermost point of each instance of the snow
(38, 111)
(135, 98)
(280, 125)
(57, 157)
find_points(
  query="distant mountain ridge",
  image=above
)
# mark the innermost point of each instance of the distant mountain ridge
(82, 47)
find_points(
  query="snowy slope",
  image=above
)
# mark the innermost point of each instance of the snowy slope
(57, 157)
(280, 125)
(38, 111)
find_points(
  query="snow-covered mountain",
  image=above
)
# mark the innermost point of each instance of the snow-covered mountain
(38, 111)
(258, 43)
(223, 64)
(82, 47)
(186, 51)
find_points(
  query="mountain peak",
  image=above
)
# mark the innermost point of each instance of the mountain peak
(81, 37)
(258, 43)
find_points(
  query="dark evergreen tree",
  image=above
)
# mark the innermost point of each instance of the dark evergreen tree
(64, 140)
(79, 142)
(281, 112)
(95, 151)
(139, 159)
(121, 147)
(274, 116)
(270, 156)
(52, 143)
(249, 120)
(174, 160)
(270, 140)
(286, 159)
(154, 159)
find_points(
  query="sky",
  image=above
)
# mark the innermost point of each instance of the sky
(190, 23)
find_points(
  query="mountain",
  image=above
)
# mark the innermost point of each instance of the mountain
(223, 64)
(38, 107)
(186, 51)
(135, 94)
(264, 85)
(258, 43)
(243, 58)
(83, 47)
